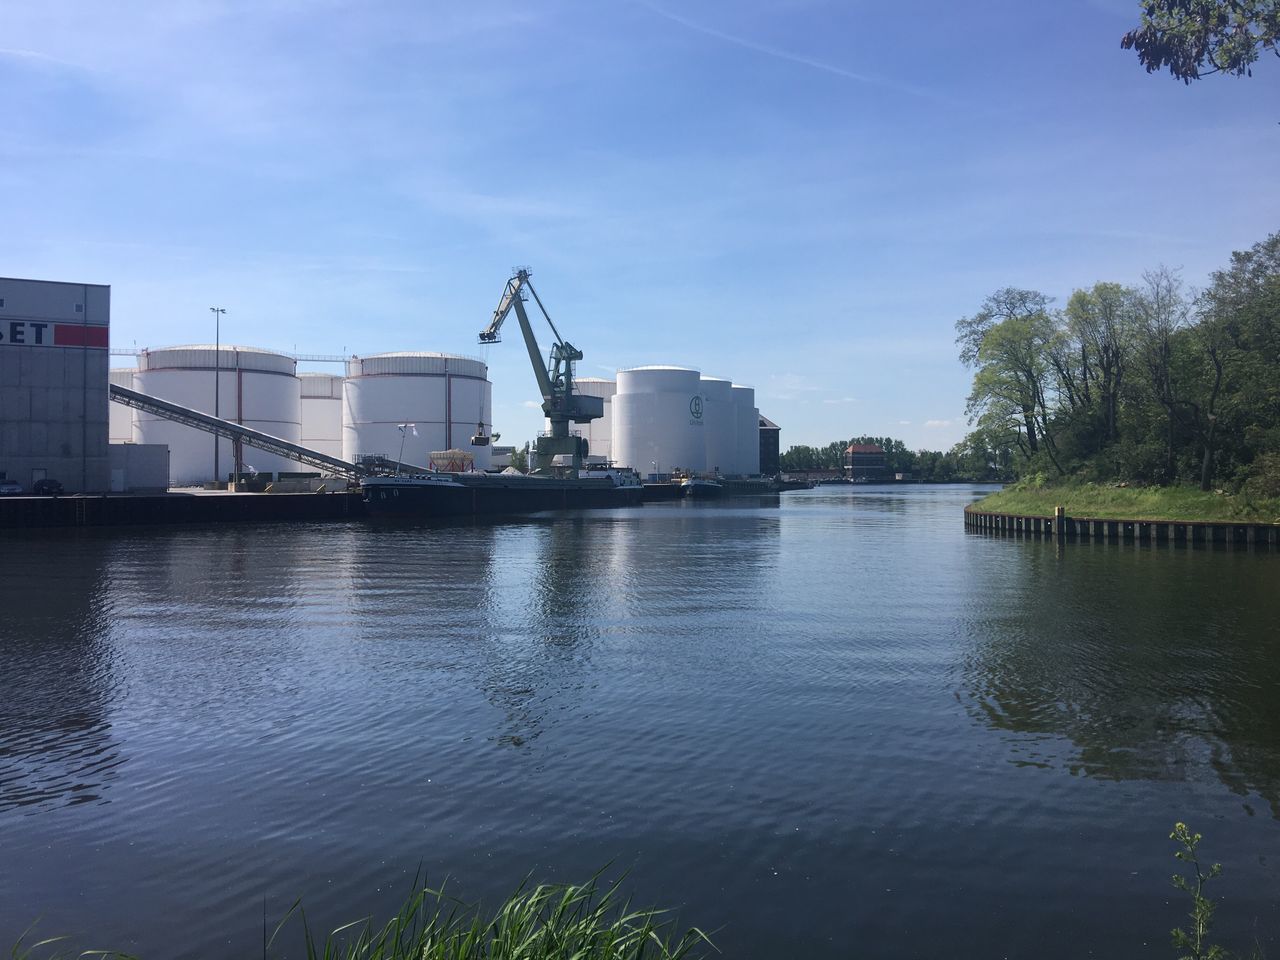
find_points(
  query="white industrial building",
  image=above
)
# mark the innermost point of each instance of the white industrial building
(322, 412)
(442, 400)
(748, 429)
(120, 417)
(668, 419)
(54, 340)
(256, 388)
(720, 426)
(657, 420)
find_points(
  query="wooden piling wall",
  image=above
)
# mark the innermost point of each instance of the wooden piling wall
(1175, 532)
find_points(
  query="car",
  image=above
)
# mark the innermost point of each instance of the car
(46, 487)
(9, 488)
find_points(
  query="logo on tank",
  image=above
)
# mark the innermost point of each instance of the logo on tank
(695, 407)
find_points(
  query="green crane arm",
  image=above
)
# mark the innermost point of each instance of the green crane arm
(512, 298)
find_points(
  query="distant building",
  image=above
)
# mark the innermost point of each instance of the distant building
(770, 456)
(53, 383)
(864, 461)
(501, 458)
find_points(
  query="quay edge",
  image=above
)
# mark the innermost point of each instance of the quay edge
(1178, 532)
(24, 513)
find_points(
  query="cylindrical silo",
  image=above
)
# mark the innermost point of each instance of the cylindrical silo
(444, 398)
(256, 388)
(720, 414)
(120, 427)
(598, 433)
(322, 412)
(658, 420)
(748, 418)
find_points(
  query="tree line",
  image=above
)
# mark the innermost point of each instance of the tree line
(1152, 383)
(970, 460)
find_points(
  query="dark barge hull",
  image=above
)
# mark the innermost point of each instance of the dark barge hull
(493, 496)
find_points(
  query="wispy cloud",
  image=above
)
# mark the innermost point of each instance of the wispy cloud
(36, 57)
(781, 54)
(936, 424)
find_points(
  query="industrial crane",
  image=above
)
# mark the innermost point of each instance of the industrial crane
(560, 403)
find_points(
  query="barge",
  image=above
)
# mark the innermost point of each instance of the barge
(485, 494)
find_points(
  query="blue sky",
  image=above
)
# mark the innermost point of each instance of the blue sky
(803, 196)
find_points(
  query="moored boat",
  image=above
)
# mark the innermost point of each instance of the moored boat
(479, 494)
(697, 488)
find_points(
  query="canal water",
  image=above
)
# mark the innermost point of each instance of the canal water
(826, 724)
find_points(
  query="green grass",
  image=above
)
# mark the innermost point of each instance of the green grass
(547, 922)
(1104, 502)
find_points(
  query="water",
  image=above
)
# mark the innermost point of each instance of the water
(826, 724)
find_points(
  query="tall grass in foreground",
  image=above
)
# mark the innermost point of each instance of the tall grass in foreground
(47, 949)
(546, 922)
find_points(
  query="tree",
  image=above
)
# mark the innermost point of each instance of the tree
(1162, 312)
(1102, 322)
(799, 457)
(1142, 385)
(1195, 38)
(520, 458)
(1239, 335)
(1009, 341)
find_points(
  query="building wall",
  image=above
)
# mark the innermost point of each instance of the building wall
(54, 340)
(865, 464)
(770, 456)
(598, 433)
(322, 412)
(139, 467)
(120, 417)
(720, 433)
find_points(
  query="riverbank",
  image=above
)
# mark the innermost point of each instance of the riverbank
(1104, 502)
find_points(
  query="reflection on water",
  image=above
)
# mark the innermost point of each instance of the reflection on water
(57, 681)
(826, 718)
(1159, 664)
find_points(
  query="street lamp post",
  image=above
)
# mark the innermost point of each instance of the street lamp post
(217, 377)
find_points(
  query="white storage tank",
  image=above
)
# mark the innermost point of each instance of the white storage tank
(257, 388)
(720, 414)
(120, 427)
(444, 396)
(748, 418)
(322, 412)
(658, 420)
(598, 433)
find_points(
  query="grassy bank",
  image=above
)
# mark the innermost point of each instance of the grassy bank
(548, 922)
(1105, 502)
